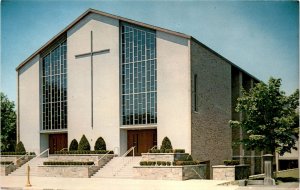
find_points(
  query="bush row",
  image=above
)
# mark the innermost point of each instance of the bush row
(85, 145)
(183, 163)
(167, 151)
(231, 162)
(16, 153)
(6, 162)
(70, 163)
(85, 152)
(165, 163)
(153, 163)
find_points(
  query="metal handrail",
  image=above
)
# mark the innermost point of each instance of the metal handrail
(123, 158)
(155, 146)
(47, 150)
(128, 151)
(18, 159)
(101, 158)
(63, 149)
(197, 173)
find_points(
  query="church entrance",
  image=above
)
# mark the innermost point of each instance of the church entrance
(57, 142)
(143, 140)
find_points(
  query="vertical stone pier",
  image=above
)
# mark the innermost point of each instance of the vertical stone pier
(268, 159)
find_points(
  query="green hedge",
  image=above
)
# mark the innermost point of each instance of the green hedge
(16, 153)
(85, 152)
(167, 151)
(6, 162)
(231, 162)
(183, 163)
(69, 163)
(153, 163)
(179, 151)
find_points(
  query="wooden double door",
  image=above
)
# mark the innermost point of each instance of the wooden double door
(143, 140)
(57, 142)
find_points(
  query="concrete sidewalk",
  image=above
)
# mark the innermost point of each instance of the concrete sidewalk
(18, 182)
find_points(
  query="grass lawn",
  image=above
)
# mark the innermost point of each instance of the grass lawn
(289, 173)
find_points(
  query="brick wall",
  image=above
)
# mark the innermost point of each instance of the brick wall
(211, 134)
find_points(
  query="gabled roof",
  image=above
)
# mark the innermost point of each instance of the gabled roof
(89, 11)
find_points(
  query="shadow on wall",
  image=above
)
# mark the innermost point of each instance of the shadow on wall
(172, 38)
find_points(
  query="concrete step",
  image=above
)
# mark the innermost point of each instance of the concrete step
(34, 163)
(118, 167)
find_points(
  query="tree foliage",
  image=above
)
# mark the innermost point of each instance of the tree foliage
(84, 144)
(270, 118)
(8, 124)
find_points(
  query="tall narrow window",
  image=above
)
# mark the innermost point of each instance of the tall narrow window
(195, 93)
(54, 81)
(138, 75)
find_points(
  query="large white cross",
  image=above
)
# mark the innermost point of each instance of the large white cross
(91, 54)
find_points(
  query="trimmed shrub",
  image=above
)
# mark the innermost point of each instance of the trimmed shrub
(20, 147)
(189, 158)
(158, 163)
(6, 162)
(73, 145)
(179, 151)
(84, 144)
(100, 144)
(164, 163)
(17, 153)
(168, 163)
(168, 150)
(166, 144)
(154, 151)
(143, 163)
(69, 163)
(85, 152)
(182, 163)
(231, 162)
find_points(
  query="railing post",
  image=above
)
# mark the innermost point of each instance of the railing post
(133, 151)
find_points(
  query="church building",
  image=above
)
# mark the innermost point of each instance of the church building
(132, 84)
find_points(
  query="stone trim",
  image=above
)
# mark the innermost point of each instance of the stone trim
(170, 172)
(231, 173)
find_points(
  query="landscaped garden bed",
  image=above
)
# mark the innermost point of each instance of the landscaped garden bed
(169, 164)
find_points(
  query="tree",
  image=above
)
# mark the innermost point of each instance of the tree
(84, 144)
(8, 124)
(269, 118)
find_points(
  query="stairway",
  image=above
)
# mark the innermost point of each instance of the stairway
(118, 167)
(34, 163)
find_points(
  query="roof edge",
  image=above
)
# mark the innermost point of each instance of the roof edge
(90, 10)
(220, 56)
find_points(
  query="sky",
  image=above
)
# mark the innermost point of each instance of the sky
(261, 37)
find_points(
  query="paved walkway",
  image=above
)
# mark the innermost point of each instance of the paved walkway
(18, 182)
